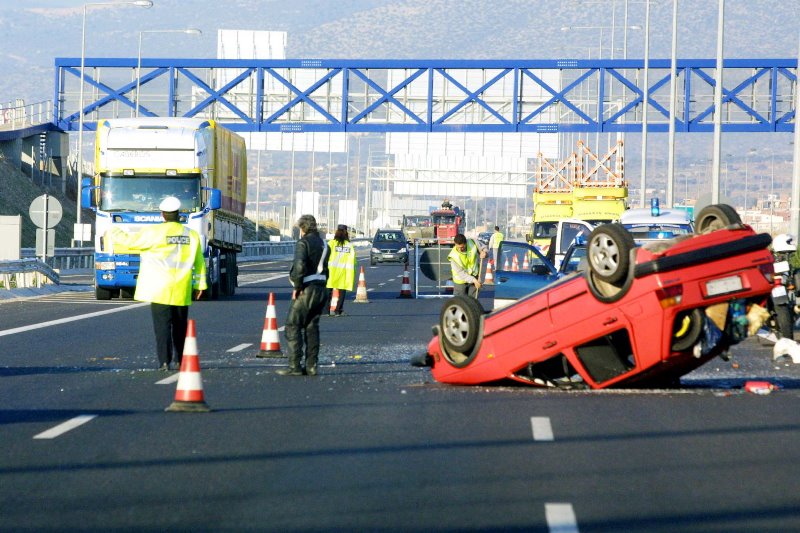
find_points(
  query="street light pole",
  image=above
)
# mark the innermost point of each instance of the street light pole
(138, 3)
(188, 31)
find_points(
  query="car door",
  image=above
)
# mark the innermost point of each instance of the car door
(521, 269)
(568, 231)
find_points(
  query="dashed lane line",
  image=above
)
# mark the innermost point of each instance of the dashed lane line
(262, 280)
(560, 518)
(168, 380)
(542, 430)
(240, 347)
(62, 428)
(66, 320)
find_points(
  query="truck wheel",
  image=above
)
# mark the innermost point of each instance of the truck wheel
(686, 330)
(126, 294)
(459, 322)
(714, 217)
(102, 294)
(609, 252)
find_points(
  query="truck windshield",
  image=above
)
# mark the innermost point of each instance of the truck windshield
(145, 193)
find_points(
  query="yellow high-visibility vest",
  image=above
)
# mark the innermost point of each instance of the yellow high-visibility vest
(341, 265)
(468, 260)
(172, 263)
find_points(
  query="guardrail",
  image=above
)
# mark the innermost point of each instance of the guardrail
(33, 272)
(26, 273)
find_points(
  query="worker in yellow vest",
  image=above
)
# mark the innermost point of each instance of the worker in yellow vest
(465, 260)
(172, 272)
(341, 267)
(494, 243)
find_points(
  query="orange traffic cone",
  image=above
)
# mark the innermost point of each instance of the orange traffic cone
(189, 394)
(334, 302)
(505, 265)
(515, 264)
(489, 278)
(405, 288)
(361, 291)
(270, 342)
(448, 287)
(525, 264)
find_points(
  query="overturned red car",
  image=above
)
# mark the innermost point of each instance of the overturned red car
(637, 316)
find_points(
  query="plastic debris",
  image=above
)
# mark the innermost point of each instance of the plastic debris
(759, 387)
(786, 347)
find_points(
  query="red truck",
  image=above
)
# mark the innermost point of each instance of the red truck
(447, 222)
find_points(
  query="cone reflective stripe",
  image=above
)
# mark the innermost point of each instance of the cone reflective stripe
(334, 301)
(361, 291)
(270, 341)
(489, 279)
(189, 393)
(405, 288)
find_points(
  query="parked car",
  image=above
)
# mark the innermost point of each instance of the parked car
(637, 316)
(515, 278)
(655, 224)
(484, 236)
(388, 245)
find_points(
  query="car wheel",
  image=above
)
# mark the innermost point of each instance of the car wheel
(686, 330)
(714, 217)
(371, 262)
(608, 252)
(459, 321)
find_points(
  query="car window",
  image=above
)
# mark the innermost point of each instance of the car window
(388, 237)
(514, 256)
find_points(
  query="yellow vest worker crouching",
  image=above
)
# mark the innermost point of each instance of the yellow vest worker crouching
(172, 271)
(465, 265)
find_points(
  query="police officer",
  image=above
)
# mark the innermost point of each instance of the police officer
(172, 272)
(309, 276)
(341, 267)
(465, 265)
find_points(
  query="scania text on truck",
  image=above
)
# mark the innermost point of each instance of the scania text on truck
(141, 161)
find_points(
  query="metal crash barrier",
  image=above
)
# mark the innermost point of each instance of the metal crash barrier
(26, 273)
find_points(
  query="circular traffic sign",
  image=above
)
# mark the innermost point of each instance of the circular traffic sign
(45, 211)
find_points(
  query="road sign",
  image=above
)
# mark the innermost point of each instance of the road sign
(45, 211)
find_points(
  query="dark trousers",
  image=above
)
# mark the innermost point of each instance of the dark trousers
(465, 289)
(303, 321)
(169, 325)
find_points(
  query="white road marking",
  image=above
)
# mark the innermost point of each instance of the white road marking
(262, 280)
(32, 327)
(542, 430)
(240, 347)
(171, 379)
(64, 427)
(560, 518)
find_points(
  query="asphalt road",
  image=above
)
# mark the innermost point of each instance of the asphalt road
(372, 443)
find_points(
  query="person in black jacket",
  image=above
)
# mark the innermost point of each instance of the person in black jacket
(308, 275)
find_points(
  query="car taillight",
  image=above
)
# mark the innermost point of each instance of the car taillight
(669, 296)
(768, 270)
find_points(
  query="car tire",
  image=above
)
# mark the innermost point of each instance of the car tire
(608, 252)
(714, 217)
(686, 330)
(459, 322)
(371, 262)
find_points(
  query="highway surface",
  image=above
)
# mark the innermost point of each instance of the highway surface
(372, 443)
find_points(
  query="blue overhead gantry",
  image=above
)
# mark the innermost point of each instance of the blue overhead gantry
(337, 95)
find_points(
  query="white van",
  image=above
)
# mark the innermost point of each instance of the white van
(654, 223)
